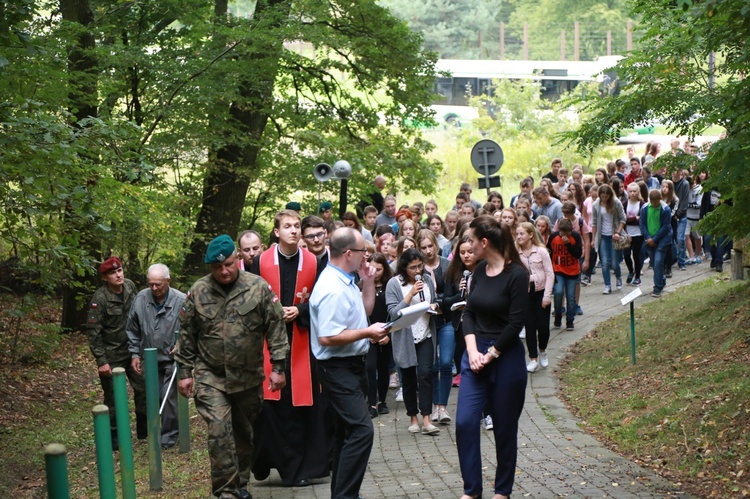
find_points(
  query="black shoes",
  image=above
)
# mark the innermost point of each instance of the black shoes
(383, 409)
(373, 413)
(244, 494)
(301, 483)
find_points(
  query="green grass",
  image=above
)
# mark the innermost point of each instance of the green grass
(684, 407)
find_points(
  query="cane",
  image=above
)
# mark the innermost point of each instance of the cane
(169, 387)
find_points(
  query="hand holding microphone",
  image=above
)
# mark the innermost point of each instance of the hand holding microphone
(465, 283)
(418, 285)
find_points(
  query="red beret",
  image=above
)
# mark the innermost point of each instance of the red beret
(111, 263)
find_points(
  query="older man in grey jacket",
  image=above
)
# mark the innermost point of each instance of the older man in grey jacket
(153, 319)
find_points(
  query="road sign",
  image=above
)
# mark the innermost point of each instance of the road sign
(487, 157)
(494, 182)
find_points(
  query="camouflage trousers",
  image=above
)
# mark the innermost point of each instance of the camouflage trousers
(229, 417)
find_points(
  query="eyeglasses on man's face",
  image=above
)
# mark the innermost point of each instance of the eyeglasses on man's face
(317, 235)
(363, 250)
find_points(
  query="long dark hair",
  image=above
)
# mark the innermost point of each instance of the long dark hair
(382, 260)
(456, 267)
(408, 256)
(499, 237)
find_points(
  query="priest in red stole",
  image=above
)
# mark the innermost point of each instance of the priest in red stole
(290, 433)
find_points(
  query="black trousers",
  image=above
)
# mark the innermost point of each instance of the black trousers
(344, 383)
(139, 394)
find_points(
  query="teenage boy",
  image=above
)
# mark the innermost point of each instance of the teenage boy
(656, 227)
(565, 248)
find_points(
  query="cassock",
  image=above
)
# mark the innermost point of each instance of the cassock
(290, 433)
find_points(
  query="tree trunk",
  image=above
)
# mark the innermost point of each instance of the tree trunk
(231, 167)
(82, 96)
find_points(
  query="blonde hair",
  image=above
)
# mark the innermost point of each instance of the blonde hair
(530, 228)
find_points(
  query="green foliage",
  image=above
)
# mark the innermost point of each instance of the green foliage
(23, 339)
(669, 78)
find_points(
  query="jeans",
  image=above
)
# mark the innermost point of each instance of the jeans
(680, 242)
(610, 257)
(567, 285)
(442, 371)
(657, 256)
(502, 384)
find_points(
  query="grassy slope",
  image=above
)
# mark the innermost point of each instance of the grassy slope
(684, 408)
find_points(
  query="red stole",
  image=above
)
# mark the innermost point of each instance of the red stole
(299, 361)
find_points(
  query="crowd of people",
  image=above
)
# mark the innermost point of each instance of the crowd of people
(287, 346)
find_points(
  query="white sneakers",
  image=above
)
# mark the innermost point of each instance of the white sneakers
(532, 366)
(400, 395)
(488, 425)
(522, 334)
(543, 360)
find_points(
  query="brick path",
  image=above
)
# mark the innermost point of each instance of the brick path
(556, 458)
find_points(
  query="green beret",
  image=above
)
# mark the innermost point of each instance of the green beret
(219, 249)
(294, 205)
(325, 206)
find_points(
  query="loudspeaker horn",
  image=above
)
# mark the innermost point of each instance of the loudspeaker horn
(323, 172)
(342, 169)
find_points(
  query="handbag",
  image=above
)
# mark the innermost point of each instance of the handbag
(624, 242)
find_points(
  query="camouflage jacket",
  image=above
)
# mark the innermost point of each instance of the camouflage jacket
(107, 317)
(222, 337)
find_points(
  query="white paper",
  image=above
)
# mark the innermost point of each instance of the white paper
(457, 305)
(408, 316)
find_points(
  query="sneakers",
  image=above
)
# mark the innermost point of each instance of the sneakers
(585, 280)
(630, 278)
(607, 290)
(522, 334)
(383, 408)
(373, 413)
(532, 366)
(618, 284)
(656, 294)
(690, 261)
(444, 417)
(394, 383)
(569, 326)
(435, 416)
(430, 430)
(456, 381)
(579, 310)
(400, 395)
(543, 360)
(488, 423)
(682, 267)
(668, 274)
(636, 282)
(558, 320)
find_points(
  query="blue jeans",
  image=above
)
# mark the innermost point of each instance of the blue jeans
(567, 285)
(680, 242)
(610, 258)
(442, 372)
(501, 384)
(657, 256)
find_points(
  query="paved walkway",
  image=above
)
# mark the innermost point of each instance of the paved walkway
(556, 458)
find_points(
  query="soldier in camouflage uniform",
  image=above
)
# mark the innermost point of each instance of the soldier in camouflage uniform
(107, 317)
(226, 318)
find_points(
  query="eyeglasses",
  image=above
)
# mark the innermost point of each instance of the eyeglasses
(415, 268)
(317, 235)
(363, 250)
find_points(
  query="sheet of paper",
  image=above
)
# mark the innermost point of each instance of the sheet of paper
(408, 316)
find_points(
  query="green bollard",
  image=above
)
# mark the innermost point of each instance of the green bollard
(124, 440)
(151, 372)
(105, 463)
(56, 462)
(183, 412)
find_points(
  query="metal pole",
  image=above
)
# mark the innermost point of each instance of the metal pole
(151, 372)
(632, 332)
(105, 463)
(183, 411)
(124, 440)
(56, 463)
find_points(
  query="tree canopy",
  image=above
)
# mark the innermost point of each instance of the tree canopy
(670, 78)
(137, 128)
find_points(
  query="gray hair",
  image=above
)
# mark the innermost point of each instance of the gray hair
(159, 269)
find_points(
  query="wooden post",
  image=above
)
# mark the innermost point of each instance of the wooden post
(502, 41)
(629, 43)
(576, 42)
(609, 43)
(738, 271)
(525, 41)
(562, 45)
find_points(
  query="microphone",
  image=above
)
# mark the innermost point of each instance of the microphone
(467, 274)
(418, 278)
